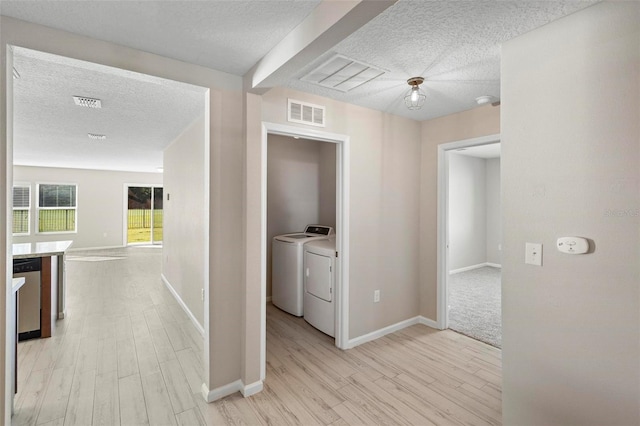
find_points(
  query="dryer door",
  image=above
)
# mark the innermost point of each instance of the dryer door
(318, 275)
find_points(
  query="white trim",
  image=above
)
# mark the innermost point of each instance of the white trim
(342, 225)
(383, 331)
(222, 391)
(251, 389)
(206, 371)
(175, 294)
(442, 223)
(229, 389)
(468, 268)
(494, 265)
(428, 322)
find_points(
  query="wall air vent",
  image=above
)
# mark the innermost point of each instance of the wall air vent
(87, 102)
(305, 113)
(343, 74)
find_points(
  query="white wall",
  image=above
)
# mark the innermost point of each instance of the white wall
(327, 180)
(571, 167)
(470, 124)
(384, 201)
(494, 211)
(384, 197)
(295, 180)
(474, 211)
(467, 211)
(101, 196)
(184, 217)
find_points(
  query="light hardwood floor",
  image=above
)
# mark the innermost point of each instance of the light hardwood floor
(127, 354)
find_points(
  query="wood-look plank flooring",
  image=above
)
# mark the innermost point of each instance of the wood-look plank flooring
(126, 354)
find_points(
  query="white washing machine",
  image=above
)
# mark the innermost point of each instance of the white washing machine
(319, 284)
(286, 267)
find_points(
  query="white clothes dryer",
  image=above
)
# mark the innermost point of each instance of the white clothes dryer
(286, 267)
(319, 285)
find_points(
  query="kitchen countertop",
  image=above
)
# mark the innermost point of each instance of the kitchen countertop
(42, 249)
(16, 283)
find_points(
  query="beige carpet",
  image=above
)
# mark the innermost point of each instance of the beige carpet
(475, 304)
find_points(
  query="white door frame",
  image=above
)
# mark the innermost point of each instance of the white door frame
(342, 225)
(443, 222)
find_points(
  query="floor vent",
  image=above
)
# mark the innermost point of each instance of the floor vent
(305, 113)
(343, 74)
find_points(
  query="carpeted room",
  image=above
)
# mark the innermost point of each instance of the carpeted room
(474, 237)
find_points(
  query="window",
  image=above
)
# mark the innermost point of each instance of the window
(57, 208)
(21, 209)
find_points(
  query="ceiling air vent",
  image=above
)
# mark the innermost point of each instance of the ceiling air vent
(87, 102)
(343, 74)
(96, 137)
(305, 113)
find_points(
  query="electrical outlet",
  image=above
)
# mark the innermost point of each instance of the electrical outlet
(203, 294)
(376, 296)
(499, 247)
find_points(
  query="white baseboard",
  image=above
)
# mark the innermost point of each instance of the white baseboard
(472, 267)
(175, 294)
(467, 268)
(251, 389)
(222, 391)
(352, 343)
(229, 389)
(391, 329)
(428, 322)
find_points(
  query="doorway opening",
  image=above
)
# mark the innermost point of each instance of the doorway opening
(100, 168)
(143, 214)
(469, 238)
(341, 209)
(301, 194)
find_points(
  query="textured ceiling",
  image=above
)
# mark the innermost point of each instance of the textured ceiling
(229, 36)
(454, 45)
(141, 115)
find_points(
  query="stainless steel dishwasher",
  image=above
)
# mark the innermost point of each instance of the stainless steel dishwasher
(29, 298)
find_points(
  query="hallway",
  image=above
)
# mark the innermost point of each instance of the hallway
(125, 354)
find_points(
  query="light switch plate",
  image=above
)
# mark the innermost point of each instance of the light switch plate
(533, 254)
